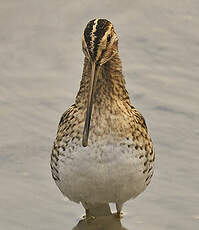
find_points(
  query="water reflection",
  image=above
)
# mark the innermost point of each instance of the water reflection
(102, 222)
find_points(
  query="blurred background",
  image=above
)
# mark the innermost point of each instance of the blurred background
(40, 69)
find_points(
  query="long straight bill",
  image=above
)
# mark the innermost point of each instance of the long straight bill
(89, 106)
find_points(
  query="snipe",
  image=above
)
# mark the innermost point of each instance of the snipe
(103, 152)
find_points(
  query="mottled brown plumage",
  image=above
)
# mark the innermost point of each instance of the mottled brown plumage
(113, 122)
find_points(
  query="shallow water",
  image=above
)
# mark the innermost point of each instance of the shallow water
(40, 69)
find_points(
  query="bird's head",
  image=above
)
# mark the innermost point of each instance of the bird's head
(100, 45)
(99, 41)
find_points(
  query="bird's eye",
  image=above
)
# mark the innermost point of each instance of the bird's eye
(108, 38)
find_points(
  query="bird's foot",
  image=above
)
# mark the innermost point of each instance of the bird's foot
(88, 218)
(119, 215)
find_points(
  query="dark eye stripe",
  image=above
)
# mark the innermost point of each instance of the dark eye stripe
(108, 38)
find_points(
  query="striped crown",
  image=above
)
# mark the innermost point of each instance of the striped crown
(93, 34)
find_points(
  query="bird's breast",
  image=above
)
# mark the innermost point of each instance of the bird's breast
(110, 170)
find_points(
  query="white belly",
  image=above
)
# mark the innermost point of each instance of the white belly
(101, 173)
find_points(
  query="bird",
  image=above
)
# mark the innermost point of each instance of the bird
(103, 152)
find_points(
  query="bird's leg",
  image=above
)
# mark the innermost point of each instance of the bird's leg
(119, 213)
(88, 217)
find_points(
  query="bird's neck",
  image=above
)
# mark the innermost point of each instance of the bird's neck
(110, 85)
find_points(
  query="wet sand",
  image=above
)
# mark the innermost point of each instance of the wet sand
(40, 69)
